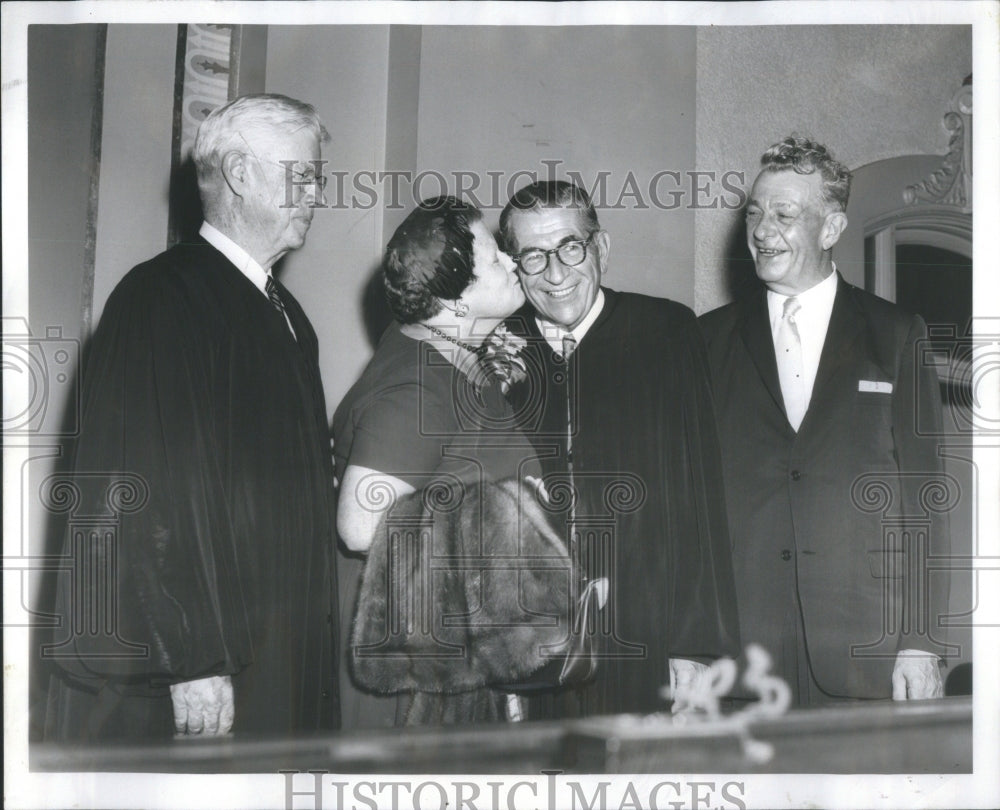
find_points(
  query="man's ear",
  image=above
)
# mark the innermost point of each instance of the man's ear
(833, 227)
(234, 169)
(603, 241)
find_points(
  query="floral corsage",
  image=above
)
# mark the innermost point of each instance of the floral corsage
(500, 357)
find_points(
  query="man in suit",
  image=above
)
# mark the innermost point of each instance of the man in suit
(212, 608)
(618, 404)
(818, 394)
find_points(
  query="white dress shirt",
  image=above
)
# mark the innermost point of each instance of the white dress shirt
(237, 255)
(812, 321)
(242, 260)
(554, 334)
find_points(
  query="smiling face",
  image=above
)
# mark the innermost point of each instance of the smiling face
(494, 291)
(561, 295)
(791, 229)
(279, 210)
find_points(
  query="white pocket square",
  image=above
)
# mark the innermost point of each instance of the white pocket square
(875, 386)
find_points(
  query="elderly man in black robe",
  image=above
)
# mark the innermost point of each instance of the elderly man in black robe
(212, 608)
(617, 400)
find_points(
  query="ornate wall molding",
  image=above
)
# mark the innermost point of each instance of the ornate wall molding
(952, 183)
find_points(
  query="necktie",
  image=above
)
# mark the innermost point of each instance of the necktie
(272, 293)
(569, 345)
(788, 352)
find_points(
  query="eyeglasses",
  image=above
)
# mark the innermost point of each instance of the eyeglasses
(535, 261)
(306, 178)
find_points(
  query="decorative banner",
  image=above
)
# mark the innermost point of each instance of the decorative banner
(205, 83)
(202, 82)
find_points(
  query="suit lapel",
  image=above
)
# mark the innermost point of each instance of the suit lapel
(756, 333)
(846, 324)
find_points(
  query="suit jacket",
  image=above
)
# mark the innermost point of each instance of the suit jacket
(847, 509)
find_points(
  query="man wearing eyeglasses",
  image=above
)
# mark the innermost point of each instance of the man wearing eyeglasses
(618, 405)
(203, 390)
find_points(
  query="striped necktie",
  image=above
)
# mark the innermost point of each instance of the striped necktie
(569, 346)
(275, 298)
(272, 293)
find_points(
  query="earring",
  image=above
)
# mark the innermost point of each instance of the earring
(461, 309)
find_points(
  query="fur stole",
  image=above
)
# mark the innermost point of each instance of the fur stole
(464, 586)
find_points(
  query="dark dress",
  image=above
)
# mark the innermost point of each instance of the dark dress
(414, 416)
(651, 514)
(197, 396)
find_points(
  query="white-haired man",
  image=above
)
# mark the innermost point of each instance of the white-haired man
(203, 386)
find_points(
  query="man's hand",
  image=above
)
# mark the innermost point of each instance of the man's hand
(916, 676)
(204, 706)
(684, 675)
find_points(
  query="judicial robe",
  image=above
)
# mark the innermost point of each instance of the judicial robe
(204, 445)
(632, 412)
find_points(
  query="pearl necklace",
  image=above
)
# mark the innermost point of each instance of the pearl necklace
(467, 346)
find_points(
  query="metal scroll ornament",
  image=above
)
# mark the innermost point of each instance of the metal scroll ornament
(700, 703)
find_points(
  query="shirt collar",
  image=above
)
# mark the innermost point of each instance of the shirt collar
(237, 255)
(820, 295)
(553, 333)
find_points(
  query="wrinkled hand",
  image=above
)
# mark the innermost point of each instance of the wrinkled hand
(684, 676)
(203, 707)
(916, 676)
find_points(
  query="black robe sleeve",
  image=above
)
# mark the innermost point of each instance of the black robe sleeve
(702, 609)
(158, 598)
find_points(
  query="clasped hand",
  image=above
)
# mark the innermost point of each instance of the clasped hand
(686, 678)
(203, 707)
(916, 676)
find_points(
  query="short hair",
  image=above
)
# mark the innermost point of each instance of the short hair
(804, 156)
(546, 194)
(430, 258)
(231, 126)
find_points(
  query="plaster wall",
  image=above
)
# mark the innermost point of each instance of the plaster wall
(867, 92)
(345, 78)
(620, 100)
(133, 205)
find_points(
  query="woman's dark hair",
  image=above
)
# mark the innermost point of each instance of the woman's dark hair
(429, 258)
